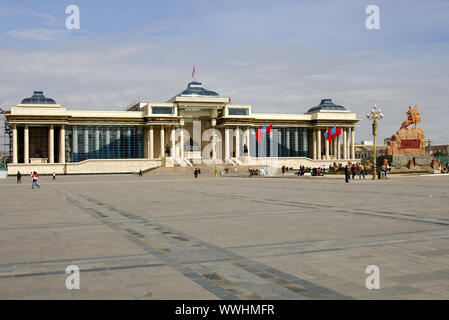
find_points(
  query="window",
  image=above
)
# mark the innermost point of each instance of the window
(103, 142)
(281, 142)
(238, 111)
(162, 110)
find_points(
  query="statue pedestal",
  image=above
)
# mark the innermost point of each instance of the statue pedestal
(407, 142)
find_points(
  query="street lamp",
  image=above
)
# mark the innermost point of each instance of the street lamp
(376, 114)
(429, 140)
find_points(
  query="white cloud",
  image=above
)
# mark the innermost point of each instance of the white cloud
(41, 34)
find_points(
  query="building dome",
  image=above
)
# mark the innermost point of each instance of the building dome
(38, 98)
(326, 104)
(195, 89)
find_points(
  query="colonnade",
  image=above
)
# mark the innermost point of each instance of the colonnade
(340, 147)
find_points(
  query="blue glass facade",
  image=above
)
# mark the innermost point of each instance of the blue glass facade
(103, 142)
(281, 142)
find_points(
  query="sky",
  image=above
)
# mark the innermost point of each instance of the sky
(278, 56)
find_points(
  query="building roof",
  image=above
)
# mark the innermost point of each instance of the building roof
(196, 89)
(326, 104)
(38, 98)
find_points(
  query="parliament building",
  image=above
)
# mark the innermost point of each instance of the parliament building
(194, 127)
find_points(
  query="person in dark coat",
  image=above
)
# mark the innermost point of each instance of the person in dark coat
(347, 173)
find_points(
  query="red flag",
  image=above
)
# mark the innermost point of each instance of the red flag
(259, 134)
(338, 131)
(269, 128)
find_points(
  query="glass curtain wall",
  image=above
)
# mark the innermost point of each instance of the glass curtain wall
(103, 142)
(290, 142)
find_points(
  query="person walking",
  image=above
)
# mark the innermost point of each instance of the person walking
(140, 173)
(32, 180)
(19, 177)
(353, 170)
(347, 173)
(195, 173)
(53, 176)
(35, 178)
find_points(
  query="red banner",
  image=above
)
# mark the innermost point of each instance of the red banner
(410, 144)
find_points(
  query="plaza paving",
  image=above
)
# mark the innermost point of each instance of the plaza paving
(174, 237)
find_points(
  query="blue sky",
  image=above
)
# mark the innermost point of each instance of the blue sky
(278, 56)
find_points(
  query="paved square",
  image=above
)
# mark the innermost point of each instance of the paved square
(174, 237)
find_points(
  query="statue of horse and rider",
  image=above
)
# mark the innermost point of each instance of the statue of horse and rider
(412, 117)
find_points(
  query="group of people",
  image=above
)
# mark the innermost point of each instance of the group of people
(258, 172)
(353, 170)
(285, 169)
(34, 178)
(313, 171)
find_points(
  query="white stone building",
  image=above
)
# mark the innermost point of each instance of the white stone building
(195, 126)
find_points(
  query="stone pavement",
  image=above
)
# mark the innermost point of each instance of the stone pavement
(174, 237)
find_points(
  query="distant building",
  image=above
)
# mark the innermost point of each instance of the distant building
(363, 151)
(439, 150)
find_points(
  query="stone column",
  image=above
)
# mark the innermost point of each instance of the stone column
(86, 143)
(108, 143)
(214, 147)
(14, 144)
(173, 141)
(248, 139)
(348, 144)
(237, 142)
(162, 151)
(128, 143)
(314, 143)
(226, 155)
(335, 145)
(51, 144)
(26, 145)
(338, 146)
(62, 144)
(97, 142)
(318, 142)
(151, 144)
(345, 143)
(181, 138)
(352, 143)
(75, 144)
(117, 138)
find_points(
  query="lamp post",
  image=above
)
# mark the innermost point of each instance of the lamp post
(376, 114)
(429, 140)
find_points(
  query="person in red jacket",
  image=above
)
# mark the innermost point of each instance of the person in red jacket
(35, 177)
